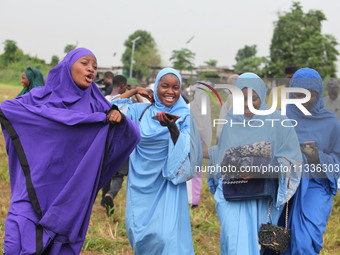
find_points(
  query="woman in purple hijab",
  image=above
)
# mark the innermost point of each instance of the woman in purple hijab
(61, 150)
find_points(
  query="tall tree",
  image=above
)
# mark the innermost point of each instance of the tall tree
(54, 60)
(297, 39)
(246, 52)
(146, 56)
(69, 47)
(246, 61)
(183, 59)
(11, 53)
(211, 62)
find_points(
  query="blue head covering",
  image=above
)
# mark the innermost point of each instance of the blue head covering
(152, 128)
(308, 78)
(180, 104)
(253, 81)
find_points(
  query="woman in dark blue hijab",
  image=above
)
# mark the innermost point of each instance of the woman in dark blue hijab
(313, 199)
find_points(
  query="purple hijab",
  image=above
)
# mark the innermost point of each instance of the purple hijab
(71, 152)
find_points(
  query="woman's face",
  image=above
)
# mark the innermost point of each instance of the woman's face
(84, 70)
(169, 89)
(312, 100)
(25, 82)
(255, 99)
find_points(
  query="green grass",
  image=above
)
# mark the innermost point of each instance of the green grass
(107, 235)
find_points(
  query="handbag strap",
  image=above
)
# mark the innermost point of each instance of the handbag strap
(141, 116)
(270, 209)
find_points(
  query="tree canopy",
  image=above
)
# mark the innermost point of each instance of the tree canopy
(182, 59)
(146, 56)
(246, 61)
(211, 62)
(297, 39)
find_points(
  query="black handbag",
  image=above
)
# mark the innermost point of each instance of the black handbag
(273, 237)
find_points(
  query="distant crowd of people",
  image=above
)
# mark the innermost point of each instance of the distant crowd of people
(67, 139)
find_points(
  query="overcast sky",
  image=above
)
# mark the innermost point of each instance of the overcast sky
(220, 28)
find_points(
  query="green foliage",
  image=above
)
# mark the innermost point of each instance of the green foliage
(248, 62)
(298, 40)
(211, 62)
(54, 61)
(69, 47)
(183, 59)
(13, 62)
(11, 53)
(246, 52)
(208, 74)
(146, 55)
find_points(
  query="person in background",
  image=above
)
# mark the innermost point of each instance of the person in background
(111, 189)
(31, 78)
(130, 86)
(332, 101)
(289, 72)
(107, 80)
(312, 203)
(144, 85)
(64, 142)
(119, 86)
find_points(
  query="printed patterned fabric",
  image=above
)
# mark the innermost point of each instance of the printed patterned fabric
(258, 149)
(256, 154)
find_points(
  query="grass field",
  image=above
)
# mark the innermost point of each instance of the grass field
(107, 235)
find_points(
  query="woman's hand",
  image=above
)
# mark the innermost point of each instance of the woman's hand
(145, 92)
(166, 119)
(114, 117)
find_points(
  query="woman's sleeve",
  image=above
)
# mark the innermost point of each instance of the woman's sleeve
(288, 159)
(180, 165)
(122, 139)
(330, 158)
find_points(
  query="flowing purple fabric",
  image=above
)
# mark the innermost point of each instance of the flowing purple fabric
(71, 152)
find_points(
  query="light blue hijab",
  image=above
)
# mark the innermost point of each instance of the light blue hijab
(152, 128)
(157, 213)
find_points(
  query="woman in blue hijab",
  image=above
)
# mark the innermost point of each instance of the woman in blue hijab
(241, 220)
(157, 214)
(313, 200)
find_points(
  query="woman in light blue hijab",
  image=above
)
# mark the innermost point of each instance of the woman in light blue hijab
(313, 200)
(157, 213)
(241, 220)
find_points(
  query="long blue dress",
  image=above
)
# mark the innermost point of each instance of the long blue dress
(157, 213)
(313, 200)
(241, 220)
